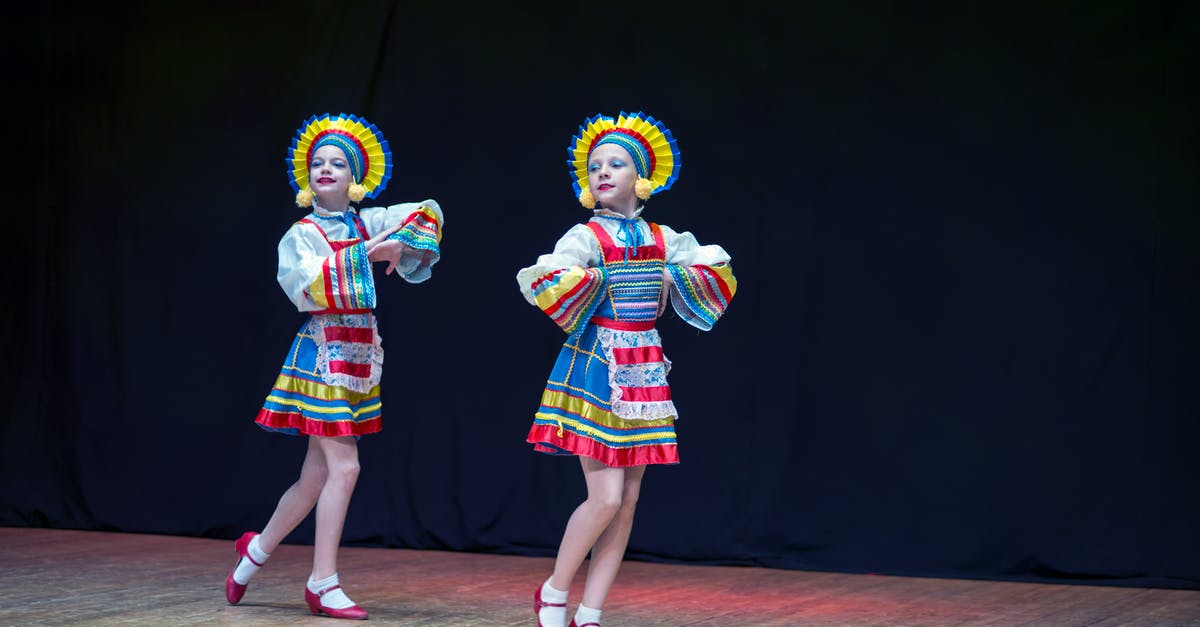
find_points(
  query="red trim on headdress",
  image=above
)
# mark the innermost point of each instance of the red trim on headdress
(350, 136)
(633, 135)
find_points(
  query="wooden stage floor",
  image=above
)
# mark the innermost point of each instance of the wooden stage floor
(59, 577)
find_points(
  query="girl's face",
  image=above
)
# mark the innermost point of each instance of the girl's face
(611, 177)
(329, 177)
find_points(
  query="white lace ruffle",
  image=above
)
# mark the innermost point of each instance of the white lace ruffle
(650, 374)
(351, 352)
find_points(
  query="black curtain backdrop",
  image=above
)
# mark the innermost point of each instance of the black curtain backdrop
(965, 234)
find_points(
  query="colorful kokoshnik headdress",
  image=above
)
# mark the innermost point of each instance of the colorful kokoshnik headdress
(648, 142)
(365, 148)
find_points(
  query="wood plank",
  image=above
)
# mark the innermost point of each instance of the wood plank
(96, 578)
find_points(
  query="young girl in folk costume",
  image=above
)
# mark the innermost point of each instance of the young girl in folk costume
(328, 389)
(607, 399)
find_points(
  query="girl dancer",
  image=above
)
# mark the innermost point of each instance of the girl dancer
(328, 388)
(607, 400)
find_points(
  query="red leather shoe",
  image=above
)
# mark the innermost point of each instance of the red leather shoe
(234, 590)
(584, 625)
(538, 604)
(314, 603)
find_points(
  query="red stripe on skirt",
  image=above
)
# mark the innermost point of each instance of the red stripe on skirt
(349, 334)
(613, 457)
(309, 426)
(350, 368)
(646, 395)
(638, 355)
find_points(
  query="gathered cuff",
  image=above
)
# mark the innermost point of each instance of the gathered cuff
(570, 296)
(701, 293)
(345, 281)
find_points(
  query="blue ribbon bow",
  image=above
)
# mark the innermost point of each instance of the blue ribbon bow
(628, 234)
(348, 217)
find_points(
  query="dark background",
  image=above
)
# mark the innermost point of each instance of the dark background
(964, 344)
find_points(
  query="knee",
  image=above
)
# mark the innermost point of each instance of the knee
(345, 473)
(606, 505)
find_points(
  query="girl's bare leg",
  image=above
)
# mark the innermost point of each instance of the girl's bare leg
(609, 549)
(590, 519)
(298, 500)
(341, 462)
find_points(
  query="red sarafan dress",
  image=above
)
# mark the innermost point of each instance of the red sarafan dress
(329, 383)
(607, 396)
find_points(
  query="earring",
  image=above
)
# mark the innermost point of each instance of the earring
(357, 192)
(643, 188)
(304, 198)
(587, 199)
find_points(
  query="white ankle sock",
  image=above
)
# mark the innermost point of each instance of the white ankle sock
(335, 599)
(245, 567)
(585, 615)
(553, 616)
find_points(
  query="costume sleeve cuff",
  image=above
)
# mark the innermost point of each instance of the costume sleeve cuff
(422, 232)
(701, 293)
(345, 281)
(570, 296)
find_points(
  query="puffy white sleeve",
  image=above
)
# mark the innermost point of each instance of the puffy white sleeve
(683, 249)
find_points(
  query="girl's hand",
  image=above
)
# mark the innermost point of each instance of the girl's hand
(388, 250)
(381, 237)
(668, 284)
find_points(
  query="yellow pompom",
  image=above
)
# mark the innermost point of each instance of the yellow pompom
(643, 188)
(304, 198)
(587, 199)
(357, 192)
